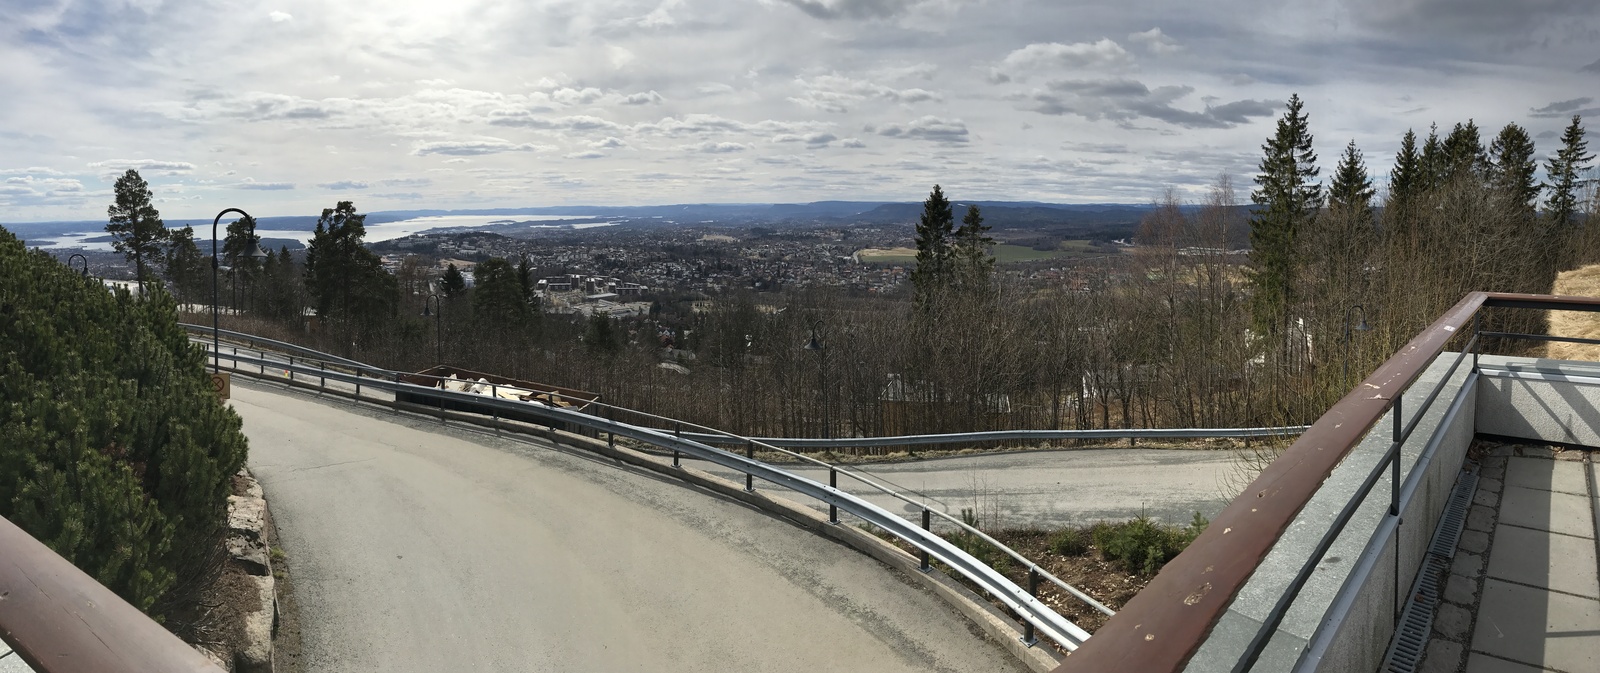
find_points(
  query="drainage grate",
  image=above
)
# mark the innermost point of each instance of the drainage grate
(1416, 620)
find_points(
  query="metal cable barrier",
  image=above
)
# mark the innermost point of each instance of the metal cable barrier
(1034, 613)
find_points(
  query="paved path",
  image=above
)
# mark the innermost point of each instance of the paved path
(1535, 605)
(420, 548)
(1052, 488)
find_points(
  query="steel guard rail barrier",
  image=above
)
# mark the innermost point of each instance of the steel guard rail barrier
(1019, 600)
(1012, 435)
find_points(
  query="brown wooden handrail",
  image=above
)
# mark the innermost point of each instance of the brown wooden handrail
(60, 620)
(1163, 625)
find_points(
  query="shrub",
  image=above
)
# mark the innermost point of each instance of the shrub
(114, 452)
(1070, 542)
(1143, 546)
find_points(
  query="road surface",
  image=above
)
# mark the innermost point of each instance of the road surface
(416, 547)
(1048, 489)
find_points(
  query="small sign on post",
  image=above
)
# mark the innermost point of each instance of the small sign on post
(222, 384)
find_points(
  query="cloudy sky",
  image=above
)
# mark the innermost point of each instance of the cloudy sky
(287, 107)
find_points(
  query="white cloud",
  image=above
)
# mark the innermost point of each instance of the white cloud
(280, 17)
(590, 154)
(472, 147)
(343, 184)
(144, 165)
(1155, 42)
(1055, 56)
(928, 128)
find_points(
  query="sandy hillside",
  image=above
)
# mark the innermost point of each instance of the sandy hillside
(1583, 282)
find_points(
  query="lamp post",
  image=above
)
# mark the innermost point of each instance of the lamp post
(216, 341)
(1363, 327)
(438, 324)
(258, 257)
(85, 263)
(821, 348)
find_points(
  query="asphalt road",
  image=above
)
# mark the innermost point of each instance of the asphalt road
(1048, 489)
(417, 547)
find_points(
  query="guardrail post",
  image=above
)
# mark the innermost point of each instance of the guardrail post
(1028, 637)
(1394, 499)
(397, 398)
(291, 369)
(833, 481)
(322, 379)
(676, 432)
(927, 520)
(749, 478)
(358, 383)
(494, 407)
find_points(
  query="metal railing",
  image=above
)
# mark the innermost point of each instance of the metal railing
(668, 435)
(1161, 627)
(1021, 435)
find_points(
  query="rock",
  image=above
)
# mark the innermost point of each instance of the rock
(256, 654)
(252, 555)
(1480, 518)
(1461, 590)
(1474, 541)
(1467, 565)
(246, 515)
(1485, 498)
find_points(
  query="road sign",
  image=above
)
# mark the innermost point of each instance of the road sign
(222, 384)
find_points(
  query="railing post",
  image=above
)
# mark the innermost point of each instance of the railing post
(1394, 499)
(291, 369)
(833, 481)
(749, 478)
(494, 406)
(927, 520)
(322, 379)
(1028, 637)
(676, 432)
(1476, 335)
(358, 383)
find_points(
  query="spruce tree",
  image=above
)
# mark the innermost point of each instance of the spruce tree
(240, 242)
(1511, 172)
(1563, 169)
(344, 278)
(135, 225)
(1352, 189)
(1288, 199)
(1405, 186)
(497, 299)
(1433, 162)
(186, 268)
(971, 250)
(934, 255)
(453, 284)
(1463, 152)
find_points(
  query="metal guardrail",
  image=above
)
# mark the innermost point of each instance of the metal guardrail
(1018, 435)
(1034, 613)
(1162, 626)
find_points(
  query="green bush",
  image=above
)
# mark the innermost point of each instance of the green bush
(1070, 542)
(113, 449)
(1143, 546)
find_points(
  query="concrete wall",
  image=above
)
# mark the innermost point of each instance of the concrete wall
(1364, 635)
(1541, 400)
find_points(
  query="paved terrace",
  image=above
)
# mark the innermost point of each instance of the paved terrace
(1524, 590)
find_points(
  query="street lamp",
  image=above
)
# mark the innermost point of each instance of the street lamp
(1363, 327)
(438, 324)
(816, 344)
(85, 263)
(258, 257)
(216, 341)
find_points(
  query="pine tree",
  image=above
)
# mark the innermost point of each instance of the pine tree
(497, 299)
(1511, 172)
(241, 241)
(601, 337)
(343, 277)
(135, 225)
(971, 250)
(932, 273)
(1352, 189)
(1289, 198)
(1563, 169)
(525, 279)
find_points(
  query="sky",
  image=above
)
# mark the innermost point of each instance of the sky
(287, 107)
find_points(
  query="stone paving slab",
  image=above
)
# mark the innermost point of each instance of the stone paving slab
(11, 663)
(1478, 663)
(1547, 510)
(1539, 627)
(1560, 562)
(1547, 475)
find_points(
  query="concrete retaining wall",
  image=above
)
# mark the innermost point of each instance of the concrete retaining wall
(1540, 400)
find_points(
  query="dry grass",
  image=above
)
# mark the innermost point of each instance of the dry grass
(1582, 282)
